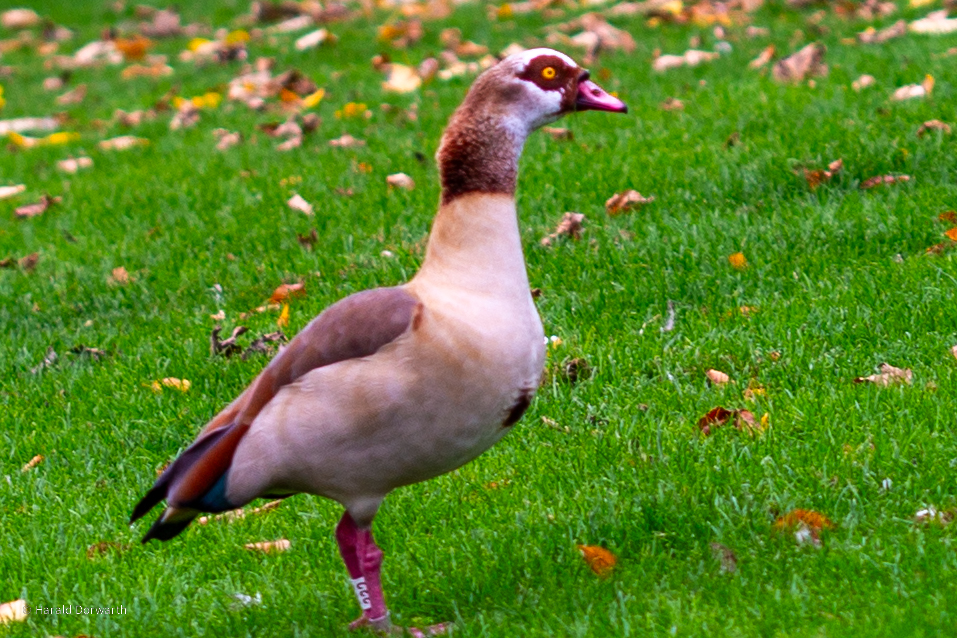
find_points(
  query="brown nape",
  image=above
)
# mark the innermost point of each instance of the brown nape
(478, 154)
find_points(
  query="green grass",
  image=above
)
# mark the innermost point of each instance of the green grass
(832, 298)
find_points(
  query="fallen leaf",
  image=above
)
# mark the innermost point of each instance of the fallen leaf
(951, 233)
(808, 62)
(574, 370)
(34, 210)
(32, 463)
(235, 515)
(934, 23)
(763, 58)
(569, 226)
(738, 261)
(889, 375)
(308, 241)
(880, 180)
(119, 276)
(49, 360)
(806, 525)
(311, 40)
(297, 202)
(74, 164)
(930, 514)
(727, 558)
(104, 547)
(16, 19)
(933, 125)
(283, 319)
(268, 547)
(863, 82)
(816, 177)
(401, 79)
(691, 57)
(626, 201)
(264, 344)
(13, 611)
(953, 351)
(6, 192)
(183, 385)
(346, 141)
(400, 180)
(154, 71)
(29, 262)
(285, 292)
(599, 559)
(912, 91)
(872, 36)
(717, 377)
(719, 416)
(93, 353)
(227, 347)
(54, 139)
(123, 143)
(133, 48)
(672, 104)
(226, 139)
(74, 96)
(949, 216)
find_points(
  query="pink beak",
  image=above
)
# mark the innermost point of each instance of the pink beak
(592, 97)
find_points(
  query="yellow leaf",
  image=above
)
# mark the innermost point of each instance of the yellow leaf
(237, 37)
(599, 559)
(182, 385)
(196, 43)
(283, 320)
(738, 261)
(62, 137)
(352, 109)
(313, 99)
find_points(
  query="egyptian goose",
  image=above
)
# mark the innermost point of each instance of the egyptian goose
(393, 386)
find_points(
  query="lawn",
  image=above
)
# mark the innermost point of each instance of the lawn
(837, 280)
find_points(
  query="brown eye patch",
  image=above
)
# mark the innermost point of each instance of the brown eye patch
(549, 72)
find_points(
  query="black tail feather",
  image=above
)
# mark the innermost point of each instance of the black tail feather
(165, 530)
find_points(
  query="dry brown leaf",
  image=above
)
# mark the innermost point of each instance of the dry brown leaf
(913, 91)
(889, 375)
(16, 19)
(74, 96)
(949, 216)
(123, 143)
(672, 104)
(569, 226)
(863, 82)
(691, 57)
(599, 559)
(738, 261)
(717, 377)
(104, 547)
(119, 276)
(346, 141)
(808, 62)
(881, 180)
(559, 133)
(74, 164)
(226, 347)
(32, 463)
(235, 515)
(38, 208)
(818, 176)
(29, 262)
(297, 202)
(158, 70)
(226, 139)
(935, 23)
(719, 416)
(872, 36)
(134, 48)
(7, 192)
(308, 241)
(269, 547)
(13, 611)
(183, 385)
(933, 125)
(24, 124)
(763, 58)
(400, 180)
(626, 201)
(287, 291)
(401, 79)
(312, 39)
(727, 558)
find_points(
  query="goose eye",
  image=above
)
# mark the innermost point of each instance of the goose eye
(548, 73)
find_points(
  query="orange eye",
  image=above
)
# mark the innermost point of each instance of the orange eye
(548, 73)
